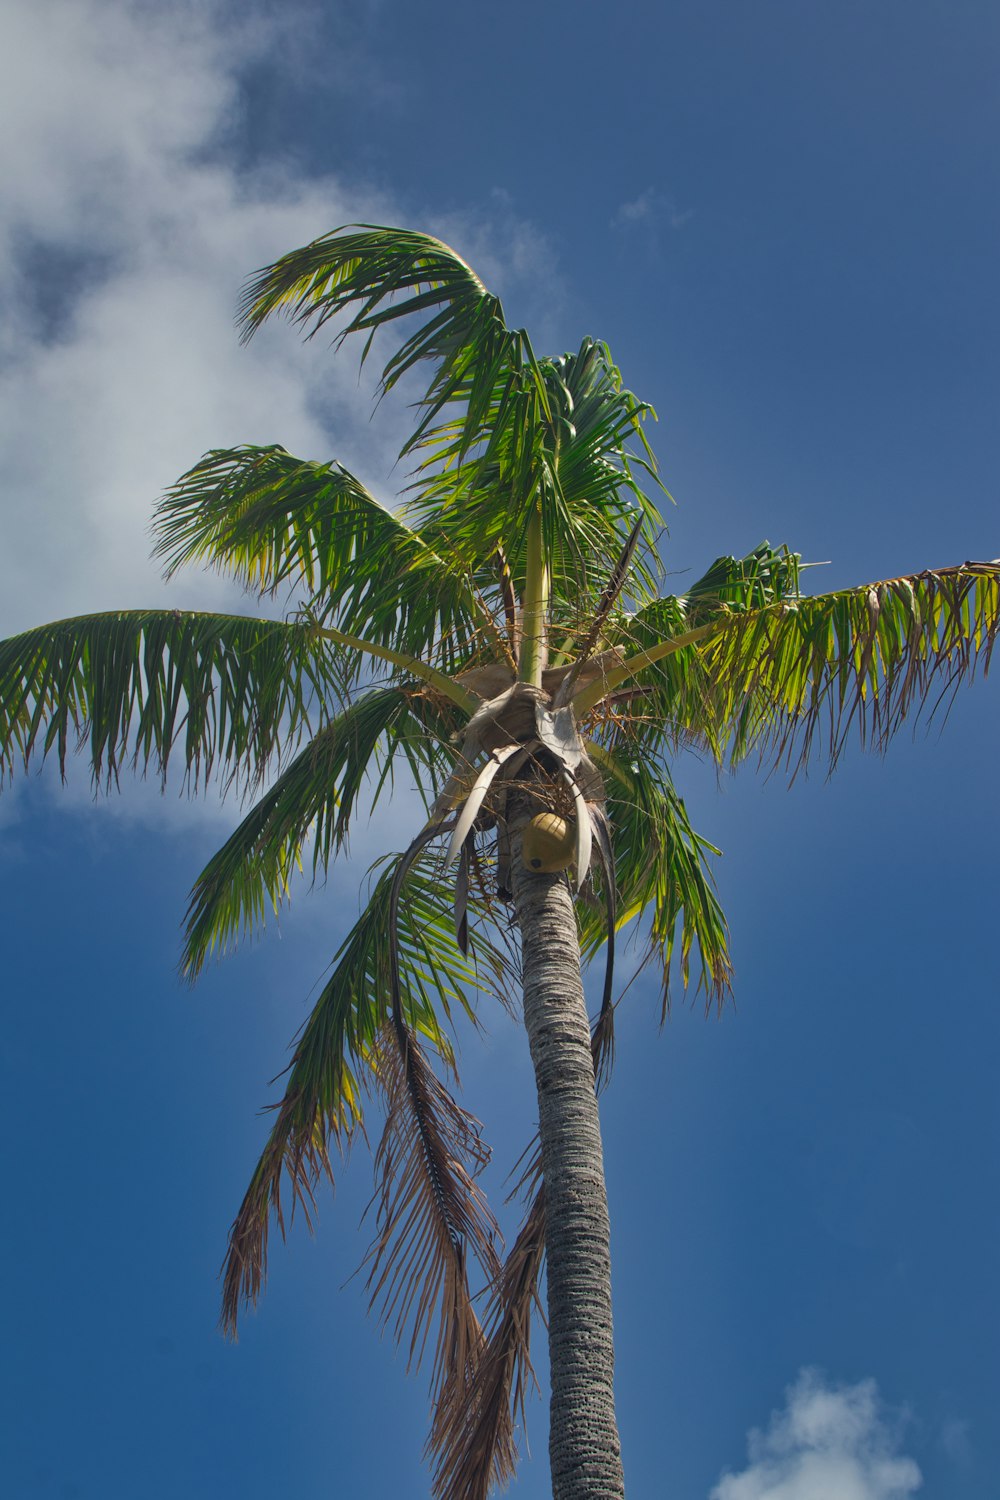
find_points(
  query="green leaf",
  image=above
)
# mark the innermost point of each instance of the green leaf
(274, 520)
(367, 279)
(795, 677)
(767, 575)
(316, 797)
(662, 871)
(574, 467)
(224, 692)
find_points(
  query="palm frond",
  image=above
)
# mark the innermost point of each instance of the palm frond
(661, 870)
(365, 277)
(315, 797)
(475, 1440)
(793, 676)
(672, 698)
(274, 520)
(575, 467)
(767, 575)
(430, 1216)
(338, 1048)
(224, 692)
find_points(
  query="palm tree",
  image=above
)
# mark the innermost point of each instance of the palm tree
(502, 635)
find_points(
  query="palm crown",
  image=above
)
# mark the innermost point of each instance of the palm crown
(503, 635)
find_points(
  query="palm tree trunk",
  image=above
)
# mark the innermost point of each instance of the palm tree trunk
(584, 1448)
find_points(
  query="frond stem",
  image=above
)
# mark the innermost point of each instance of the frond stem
(439, 680)
(590, 696)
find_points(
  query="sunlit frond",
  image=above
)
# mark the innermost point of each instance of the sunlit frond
(314, 797)
(581, 473)
(767, 575)
(225, 693)
(806, 675)
(672, 700)
(278, 521)
(366, 276)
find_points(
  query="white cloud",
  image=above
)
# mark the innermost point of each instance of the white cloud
(827, 1443)
(126, 235)
(126, 228)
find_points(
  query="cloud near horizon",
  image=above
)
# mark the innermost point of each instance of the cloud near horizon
(828, 1442)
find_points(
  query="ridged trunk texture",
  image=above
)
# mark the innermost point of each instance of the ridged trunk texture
(584, 1448)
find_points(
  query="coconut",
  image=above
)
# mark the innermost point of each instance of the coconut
(548, 843)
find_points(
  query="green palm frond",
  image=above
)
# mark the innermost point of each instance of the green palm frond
(769, 677)
(366, 276)
(580, 477)
(338, 1048)
(674, 700)
(662, 871)
(596, 493)
(793, 675)
(274, 520)
(225, 692)
(314, 797)
(767, 575)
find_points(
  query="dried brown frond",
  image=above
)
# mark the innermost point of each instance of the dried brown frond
(602, 1044)
(475, 1440)
(602, 1034)
(297, 1148)
(429, 1215)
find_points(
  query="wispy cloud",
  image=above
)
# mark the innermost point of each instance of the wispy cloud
(650, 208)
(828, 1442)
(956, 1440)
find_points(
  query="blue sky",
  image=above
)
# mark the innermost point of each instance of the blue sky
(784, 221)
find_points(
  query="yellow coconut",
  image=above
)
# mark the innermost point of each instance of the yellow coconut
(548, 843)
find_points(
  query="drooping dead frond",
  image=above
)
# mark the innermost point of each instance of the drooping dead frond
(298, 1151)
(430, 1214)
(602, 1035)
(393, 963)
(475, 1440)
